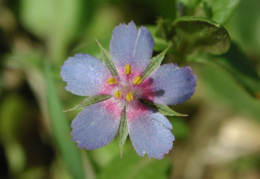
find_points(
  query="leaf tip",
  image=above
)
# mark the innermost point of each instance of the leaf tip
(67, 110)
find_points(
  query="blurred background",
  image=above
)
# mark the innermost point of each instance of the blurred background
(220, 138)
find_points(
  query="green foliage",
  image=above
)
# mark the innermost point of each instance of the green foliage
(30, 101)
(131, 166)
(122, 131)
(204, 34)
(221, 10)
(244, 27)
(222, 86)
(180, 127)
(159, 43)
(106, 58)
(163, 109)
(61, 131)
(56, 22)
(155, 62)
(89, 101)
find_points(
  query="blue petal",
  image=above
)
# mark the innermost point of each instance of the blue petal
(85, 75)
(172, 85)
(151, 133)
(94, 127)
(131, 46)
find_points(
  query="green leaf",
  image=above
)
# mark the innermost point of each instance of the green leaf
(159, 43)
(187, 7)
(237, 64)
(61, 129)
(204, 34)
(163, 109)
(131, 166)
(244, 27)
(164, 29)
(89, 101)
(155, 62)
(123, 131)
(222, 9)
(180, 127)
(57, 22)
(224, 89)
(106, 58)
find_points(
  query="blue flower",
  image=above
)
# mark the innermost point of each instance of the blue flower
(131, 50)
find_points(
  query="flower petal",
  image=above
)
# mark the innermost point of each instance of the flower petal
(94, 127)
(171, 84)
(131, 46)
(150, 132)
(85, 75)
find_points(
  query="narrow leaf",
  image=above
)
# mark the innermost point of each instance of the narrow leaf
(71, 156)
(106, 58)
(163, 109)
(89, 101)
(154, 63)
(123, 131)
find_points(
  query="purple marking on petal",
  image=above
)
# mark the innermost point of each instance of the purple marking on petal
(94, 127)
(131, 46)
(151, 133)
(85, 75)
(172, 85)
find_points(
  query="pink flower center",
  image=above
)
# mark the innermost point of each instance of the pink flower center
(126, 90)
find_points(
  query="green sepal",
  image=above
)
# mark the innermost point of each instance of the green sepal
(106, 58)
(155, 62)
(122, 131)
(204, 34)
(89, 101)
(163, 109)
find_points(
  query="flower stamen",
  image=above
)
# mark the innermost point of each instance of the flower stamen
(137, 80)
(129, 97)
(118, 94)
(111, 81)
(127, 69)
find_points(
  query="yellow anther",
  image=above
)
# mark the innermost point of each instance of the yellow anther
(129, 97)
(111, 81)
(127, 69)
(137, 80)
(117, 94)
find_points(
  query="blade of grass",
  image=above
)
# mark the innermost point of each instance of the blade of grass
(60, 128)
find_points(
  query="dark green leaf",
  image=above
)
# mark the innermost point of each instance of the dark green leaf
(106, 58)
(163, 109)
(122, 131)
(204, 34)
(89, 101)
(155, 62)
(61, 129)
